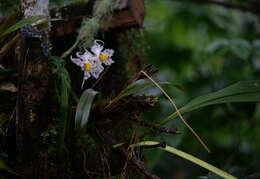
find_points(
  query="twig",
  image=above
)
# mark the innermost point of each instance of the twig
(65, 54)
(177, 110)
(84, 163)
(155, 126)
(140, 165)
(134, 160)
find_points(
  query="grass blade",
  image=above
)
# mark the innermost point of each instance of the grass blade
(6, 168)
(244, 91)
(35, 20)
(83, 110)
(189, 157)
(19, 24)
(177, 111)
(6, 86)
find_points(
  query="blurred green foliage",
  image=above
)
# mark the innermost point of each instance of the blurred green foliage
(205, 48)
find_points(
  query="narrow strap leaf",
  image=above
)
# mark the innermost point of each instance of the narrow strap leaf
(244, 91)
(18, 25)
(189, 157)
(83, 110)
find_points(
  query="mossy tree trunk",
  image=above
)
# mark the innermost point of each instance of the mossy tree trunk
(31, 118)
(35, 112)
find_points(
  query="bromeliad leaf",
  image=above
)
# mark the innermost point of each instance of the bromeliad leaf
(83, 110)
(244, 91)
(189, 157)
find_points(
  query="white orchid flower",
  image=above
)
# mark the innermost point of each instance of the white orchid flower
(97, 68)
(102, 56)
(90, 63)
(105, 57)
(97, 47)
(85, 66)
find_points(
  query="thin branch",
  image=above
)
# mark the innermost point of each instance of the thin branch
(140, 165)
(155, 126)
(66, 53)
(134, 160)
(84, 163)
(177, 110)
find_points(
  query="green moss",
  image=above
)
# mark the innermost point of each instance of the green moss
(90, 26)
(133, 47)
(87, 32)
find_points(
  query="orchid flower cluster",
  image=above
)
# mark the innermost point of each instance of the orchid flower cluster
(92, 62)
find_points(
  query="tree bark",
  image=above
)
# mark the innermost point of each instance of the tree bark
(32, 87)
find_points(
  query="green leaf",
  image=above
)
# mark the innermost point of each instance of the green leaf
(83, 110)
(244, 91)
(189, 157)
(19, 24)
(64, 109)
(135, 87)
(132, 89)
(6, 168)
(63, 89)
(8, 87)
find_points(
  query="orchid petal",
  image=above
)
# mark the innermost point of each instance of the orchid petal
(77, 61)
(97, 47)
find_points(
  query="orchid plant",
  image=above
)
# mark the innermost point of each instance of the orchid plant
(91, 62)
